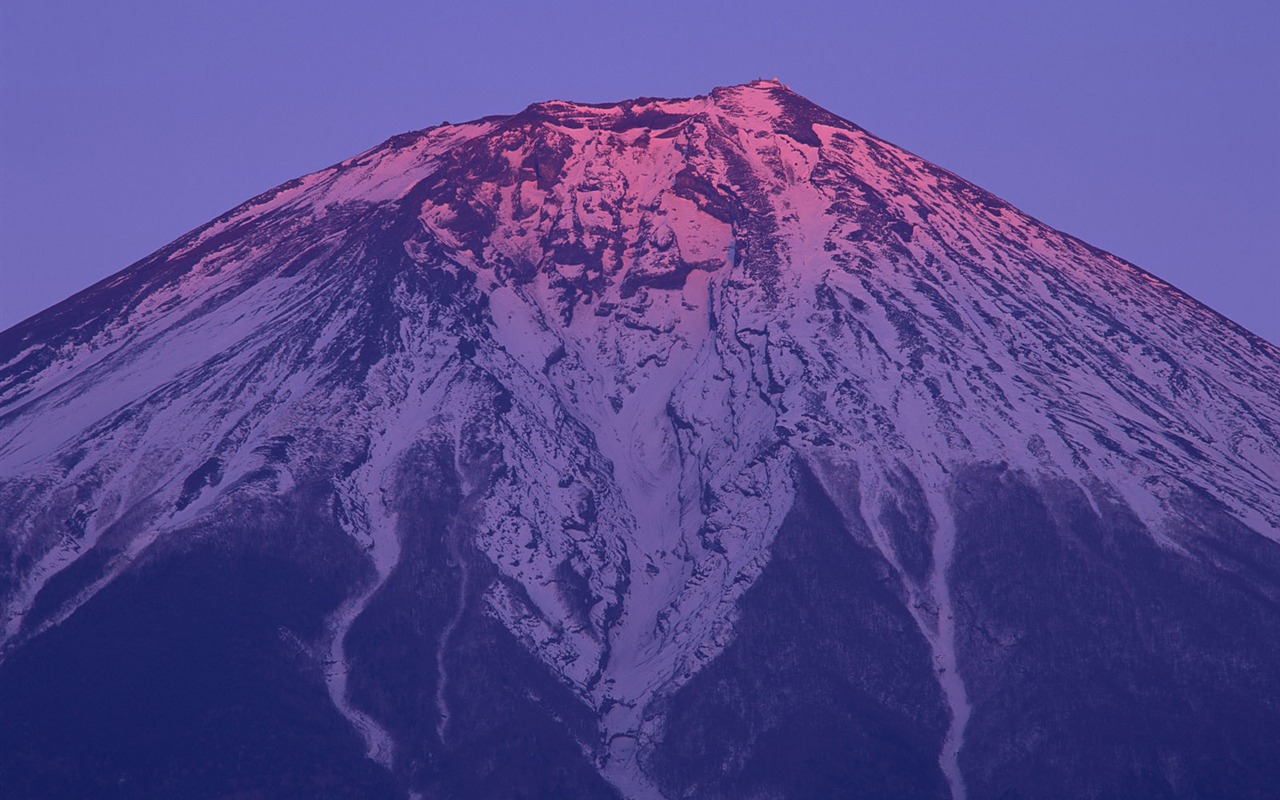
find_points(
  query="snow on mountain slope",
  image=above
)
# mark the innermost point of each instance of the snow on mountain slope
(634, 325)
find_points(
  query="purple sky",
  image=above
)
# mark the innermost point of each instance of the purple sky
(1150, 129)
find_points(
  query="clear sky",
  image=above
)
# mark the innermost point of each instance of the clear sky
(1150, 129)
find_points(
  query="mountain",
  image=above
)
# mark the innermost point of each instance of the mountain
(700, 448)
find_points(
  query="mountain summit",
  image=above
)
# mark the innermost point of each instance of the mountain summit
(700, 448)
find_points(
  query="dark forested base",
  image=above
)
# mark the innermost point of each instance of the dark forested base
(826, 690)
(180, 681)
(1099, 664)
(1103, 665)
(513, 730)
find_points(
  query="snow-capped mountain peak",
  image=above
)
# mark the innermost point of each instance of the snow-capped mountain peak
(593, 358)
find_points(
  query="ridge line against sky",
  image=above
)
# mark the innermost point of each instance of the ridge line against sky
(1147, 129)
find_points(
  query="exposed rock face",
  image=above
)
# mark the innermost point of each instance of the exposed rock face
(674, 448)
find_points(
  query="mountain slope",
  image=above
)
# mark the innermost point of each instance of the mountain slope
(706, 447)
